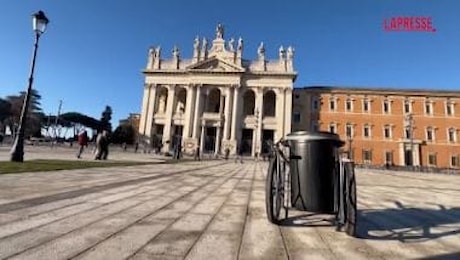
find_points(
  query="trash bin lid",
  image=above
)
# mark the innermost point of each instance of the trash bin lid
(305, 136)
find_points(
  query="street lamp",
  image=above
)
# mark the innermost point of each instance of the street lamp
(410, 121)
(350, 141)
(257, 133)
(39, 22)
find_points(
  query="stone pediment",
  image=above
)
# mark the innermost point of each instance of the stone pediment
(215, 64)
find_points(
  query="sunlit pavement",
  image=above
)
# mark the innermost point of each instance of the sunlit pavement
(216, 210)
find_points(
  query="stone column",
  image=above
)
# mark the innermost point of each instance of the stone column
(227, 122)
(145, 108)
(197, 122)
(279, 114)
(151, 111)
(202, 139)
(169, 115)
(218, 140)
(288, 111)
(236, 94)
(188, 113)
(259, 105)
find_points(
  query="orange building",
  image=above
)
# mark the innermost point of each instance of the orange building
(400, 127)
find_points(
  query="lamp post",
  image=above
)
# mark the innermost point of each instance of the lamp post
(410, 121)
(256, 147)
(350, 141)
(39, 22)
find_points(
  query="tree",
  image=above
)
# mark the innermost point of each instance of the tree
(34, 117)
(105, 119)
(124, 133)
(5, 112)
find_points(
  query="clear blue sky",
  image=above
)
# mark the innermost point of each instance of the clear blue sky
(94, 50)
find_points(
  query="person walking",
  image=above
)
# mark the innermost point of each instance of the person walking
(82, 140)
(102, 144)
(239, 153)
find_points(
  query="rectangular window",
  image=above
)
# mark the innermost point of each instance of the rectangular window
(407, 133)
(429, 134)
(387, 131)
(389, 157)
(332, 105)
(432, 159)
(315, 104)
(455, 161)
(348, 105)
(452, 135)
(386, 106)
(367, 156)
(349, 130)
(367, 131)
(428, 108)
(296, 116)
(366, 105)
(332, 128)
(449, 108)
(407, 107)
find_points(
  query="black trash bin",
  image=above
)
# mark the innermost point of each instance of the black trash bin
(312, 183)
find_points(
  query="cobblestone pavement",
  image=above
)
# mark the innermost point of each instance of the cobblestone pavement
(216, 210)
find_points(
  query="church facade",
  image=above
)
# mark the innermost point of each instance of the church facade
(217, 100)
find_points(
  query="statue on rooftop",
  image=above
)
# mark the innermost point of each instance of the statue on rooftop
(230, 44)
(219, 31)
(290, 53)
(282, 52)
(240, 44)
(261, 51)
(175, 52)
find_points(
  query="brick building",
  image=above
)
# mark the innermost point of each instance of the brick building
(400, 127)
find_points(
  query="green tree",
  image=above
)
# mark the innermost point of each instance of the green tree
(105, 119)
(124, 133)
(35, 113)
(5, 112)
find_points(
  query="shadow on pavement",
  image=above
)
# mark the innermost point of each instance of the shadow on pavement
(408, 224)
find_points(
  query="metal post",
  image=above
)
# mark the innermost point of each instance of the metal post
(410, 120)
(350, 141)
(17, 151)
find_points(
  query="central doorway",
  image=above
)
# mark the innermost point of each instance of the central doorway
(210, 140)
(246, 141)
(268, 136)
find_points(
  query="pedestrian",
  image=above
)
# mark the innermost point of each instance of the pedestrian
(136, 147)
(239, 153)
(82, 140)
(197, 154)
(102, 144)
(227, 153)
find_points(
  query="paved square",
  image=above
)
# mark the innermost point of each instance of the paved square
(216, 210)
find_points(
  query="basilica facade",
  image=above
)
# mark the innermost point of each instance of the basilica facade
(217, 99)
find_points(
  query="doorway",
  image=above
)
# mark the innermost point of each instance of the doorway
(246, 141)
(209, 140)
(267, 137)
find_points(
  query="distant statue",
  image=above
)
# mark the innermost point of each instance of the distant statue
(157, 52)
(204, 47)
(282, 52)
(230, 44)
(154, 55)
(220, 31)
(240, 44)
(175, 52)
(151, 58)
(290, 53)
(196, 43)
(261, 51)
